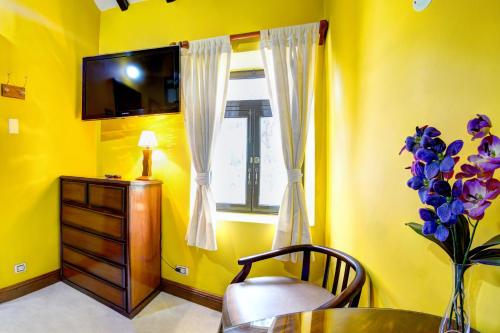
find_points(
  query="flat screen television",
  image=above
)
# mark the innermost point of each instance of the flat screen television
(133, 83)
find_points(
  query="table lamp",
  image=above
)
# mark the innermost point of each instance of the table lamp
(147, 141)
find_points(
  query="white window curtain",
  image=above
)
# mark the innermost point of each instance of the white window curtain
(205, 76)
(289, 56)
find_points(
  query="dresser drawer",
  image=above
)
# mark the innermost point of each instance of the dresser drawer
(74, 192)
(94, 221)
(108, 292)
(107, 197)
(111, 273)
(108, 249)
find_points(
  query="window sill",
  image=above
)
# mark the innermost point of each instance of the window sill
(247, 218)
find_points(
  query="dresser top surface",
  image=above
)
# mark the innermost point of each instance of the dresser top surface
(123, 182)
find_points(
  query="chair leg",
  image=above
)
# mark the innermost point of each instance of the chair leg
(221, 330)
(355, 301)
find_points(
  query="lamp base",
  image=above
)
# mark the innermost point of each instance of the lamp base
(146, 164)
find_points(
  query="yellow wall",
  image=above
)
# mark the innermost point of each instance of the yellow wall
(45, 41)
(390, 69)
(154, 24)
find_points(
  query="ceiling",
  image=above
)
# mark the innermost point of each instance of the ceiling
(107, 4)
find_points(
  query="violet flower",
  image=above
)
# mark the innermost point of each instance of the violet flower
(449, 210)
(469, 171)
(488, 158)
(419, 181)
(450, 206)
(479, 127)
(423, 138)
(476, 196)
(432, 225)
(437, 161)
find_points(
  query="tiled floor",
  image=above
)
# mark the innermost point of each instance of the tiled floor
(61, 309)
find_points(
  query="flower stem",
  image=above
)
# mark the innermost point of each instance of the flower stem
(454, 245)
(462, 316)
(470, 242)
(468, 220)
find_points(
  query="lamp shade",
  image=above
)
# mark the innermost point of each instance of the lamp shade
(148, 139)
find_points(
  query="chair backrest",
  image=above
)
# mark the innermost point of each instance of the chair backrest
(349, 292)
(346, 293)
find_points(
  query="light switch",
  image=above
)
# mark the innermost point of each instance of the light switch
(13, 126)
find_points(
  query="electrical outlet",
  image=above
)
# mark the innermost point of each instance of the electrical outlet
(182, 270)
(20, 268)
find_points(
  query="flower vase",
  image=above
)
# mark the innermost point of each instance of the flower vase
(457, 318)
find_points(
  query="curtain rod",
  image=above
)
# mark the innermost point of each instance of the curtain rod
(323, 29)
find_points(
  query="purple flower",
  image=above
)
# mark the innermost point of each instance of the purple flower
(449, 205)
(488, 158)
(425, 155)
(431, 170)
(430, 221)
(419, 181)
(435, 200)
(476, 196)
(447, 202)
(431, 132)
(417, 170)
(437, 145)
(437, 161)
(469, 171)
(424, 137)
(441, 233)
(479, 126)
(448, 162)
(432, 225)
(454, 148)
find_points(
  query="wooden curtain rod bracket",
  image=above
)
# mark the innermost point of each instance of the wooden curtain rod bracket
(323, 29)
(246, 35)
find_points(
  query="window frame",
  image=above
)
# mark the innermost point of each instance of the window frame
(254, 111)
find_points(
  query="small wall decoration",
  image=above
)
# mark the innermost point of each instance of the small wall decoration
(12, 91)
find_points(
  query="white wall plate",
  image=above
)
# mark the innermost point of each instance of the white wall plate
(13, 126)
(420, 5)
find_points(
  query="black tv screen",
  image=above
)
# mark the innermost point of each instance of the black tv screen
(131, 84)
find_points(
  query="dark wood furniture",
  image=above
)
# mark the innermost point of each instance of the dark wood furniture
(345, 320)
(257, 298)
(110, 240)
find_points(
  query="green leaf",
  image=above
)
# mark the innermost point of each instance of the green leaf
(447, 246)
(492, 242)
(462, 235)
(487, 257)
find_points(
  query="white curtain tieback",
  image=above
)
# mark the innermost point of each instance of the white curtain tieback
(203, 178)
(294, 175)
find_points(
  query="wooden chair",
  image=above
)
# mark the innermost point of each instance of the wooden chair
(253, 299)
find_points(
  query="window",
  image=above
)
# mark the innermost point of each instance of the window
(248, 170)
(246, 189)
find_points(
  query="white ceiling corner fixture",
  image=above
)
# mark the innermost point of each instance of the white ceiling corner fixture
(420, 5)
(123, 4)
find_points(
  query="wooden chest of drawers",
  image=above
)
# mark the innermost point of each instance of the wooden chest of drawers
(110, 240)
